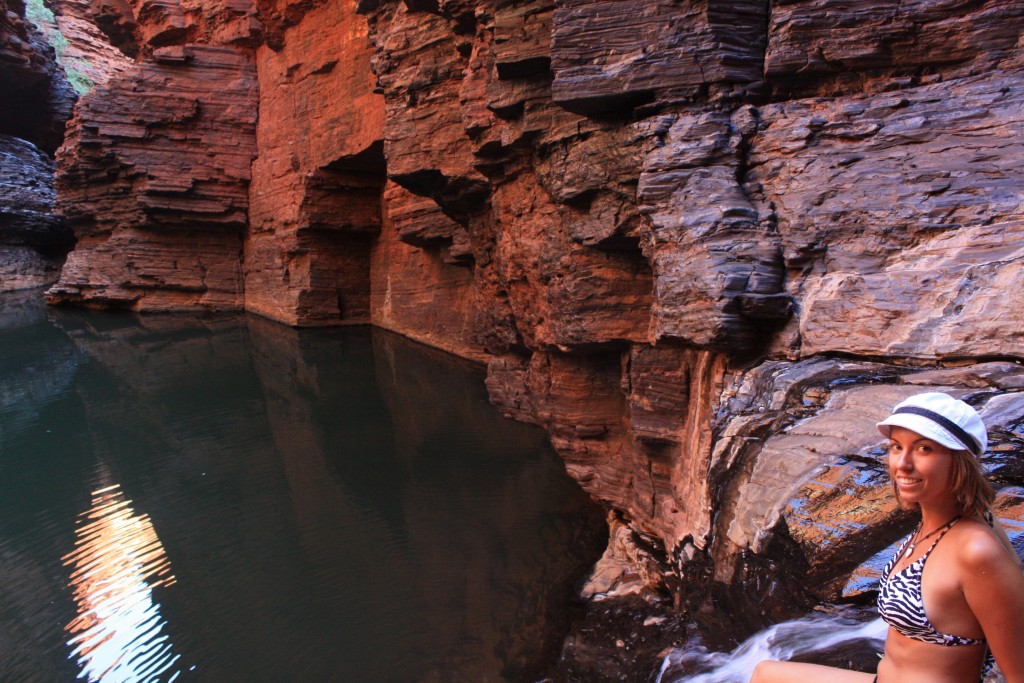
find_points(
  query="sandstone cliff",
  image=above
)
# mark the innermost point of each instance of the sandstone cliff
(705, 244)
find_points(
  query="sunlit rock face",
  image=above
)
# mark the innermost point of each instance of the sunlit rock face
(154, 177)
(707, 245)
(87, 48)
(315, 199)
(154, 173)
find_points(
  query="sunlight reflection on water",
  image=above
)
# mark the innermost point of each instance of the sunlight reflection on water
(117, 562)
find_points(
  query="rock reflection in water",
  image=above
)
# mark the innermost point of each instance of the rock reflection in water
(118, 561)
(337, 504)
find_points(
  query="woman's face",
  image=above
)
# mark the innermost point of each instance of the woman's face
(921, 469)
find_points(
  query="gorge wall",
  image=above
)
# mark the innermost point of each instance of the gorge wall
(705, 244)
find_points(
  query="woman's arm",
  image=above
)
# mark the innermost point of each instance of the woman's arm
(993, 585)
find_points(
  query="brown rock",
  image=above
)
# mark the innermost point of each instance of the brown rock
(654, 468)
(139, 27)
(417, 291)
(560, 292)
(419, 60)
(610, 54)
(171, 167)
(89, 57)
(315, 198)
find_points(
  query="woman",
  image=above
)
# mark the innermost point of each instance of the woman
(946, 623)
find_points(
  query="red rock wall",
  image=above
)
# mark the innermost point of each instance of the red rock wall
(422, 290)
(663, 224)
(315, 199)
(154, 179)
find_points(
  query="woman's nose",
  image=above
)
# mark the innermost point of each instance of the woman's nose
(901, 460)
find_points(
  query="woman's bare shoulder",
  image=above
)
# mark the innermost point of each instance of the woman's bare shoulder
(981, 546)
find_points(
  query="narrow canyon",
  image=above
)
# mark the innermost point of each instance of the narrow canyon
(705, 245)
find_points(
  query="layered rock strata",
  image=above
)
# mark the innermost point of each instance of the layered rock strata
(37, 97)
(706, 245)
(315, 198)
(158, 201)
(32, 240)
(37, 100)
(90, 56)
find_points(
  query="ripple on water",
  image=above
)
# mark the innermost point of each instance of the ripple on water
(118, 634)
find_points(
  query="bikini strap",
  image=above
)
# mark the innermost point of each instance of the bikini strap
(946, 528)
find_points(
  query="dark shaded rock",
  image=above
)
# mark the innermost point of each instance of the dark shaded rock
(33, 241)
(37, 98)
(610, 55)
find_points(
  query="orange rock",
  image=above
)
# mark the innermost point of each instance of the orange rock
(158, 199)
(315, 197)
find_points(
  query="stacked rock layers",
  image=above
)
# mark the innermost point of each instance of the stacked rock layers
(704, 244)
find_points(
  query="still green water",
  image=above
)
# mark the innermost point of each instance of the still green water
(227, 499)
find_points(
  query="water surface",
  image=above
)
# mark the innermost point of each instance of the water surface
(227, 499)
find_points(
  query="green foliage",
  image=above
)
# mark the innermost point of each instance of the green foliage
(40, 15)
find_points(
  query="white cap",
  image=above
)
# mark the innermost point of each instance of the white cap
(941, 418)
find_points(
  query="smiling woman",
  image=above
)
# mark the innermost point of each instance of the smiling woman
(947, 624)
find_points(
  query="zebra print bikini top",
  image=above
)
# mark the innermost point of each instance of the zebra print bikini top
(901, 603)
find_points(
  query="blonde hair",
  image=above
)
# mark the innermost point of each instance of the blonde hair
(970, 488)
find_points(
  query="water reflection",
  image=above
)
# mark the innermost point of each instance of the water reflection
(118, 561)
(338, 505)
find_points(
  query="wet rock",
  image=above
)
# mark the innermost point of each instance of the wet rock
(862, 584)
(823, 483)
(618, 640)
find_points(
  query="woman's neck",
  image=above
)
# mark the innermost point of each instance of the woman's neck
(934, 516)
